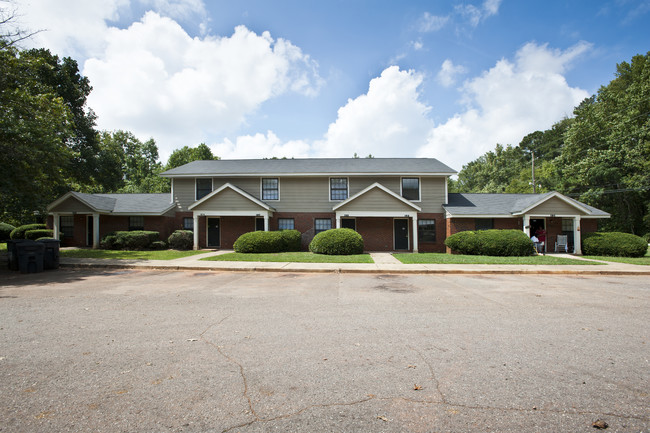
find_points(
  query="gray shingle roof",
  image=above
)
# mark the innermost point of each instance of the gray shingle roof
(127, 203)
(501, 204)
(394, 166)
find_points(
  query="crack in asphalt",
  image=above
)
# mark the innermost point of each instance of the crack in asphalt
(434, 378)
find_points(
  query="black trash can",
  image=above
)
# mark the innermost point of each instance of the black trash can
(12, 253)
(51, 253)
(30, 256)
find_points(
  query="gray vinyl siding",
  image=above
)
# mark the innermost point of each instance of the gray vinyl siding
(71, 205)
(227, 200)
(555, 206)
(376, 200)
(312, 194)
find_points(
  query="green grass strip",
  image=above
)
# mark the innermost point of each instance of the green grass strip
(128, 255)
(460, 259)
(297, 257)
(645, 261)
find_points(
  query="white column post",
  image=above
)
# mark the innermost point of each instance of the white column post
(577, 246)
(338, 221)
(95, 230)
(55, 225)
(266, 222)
(527, 224)
(196, 231)
(415, 233)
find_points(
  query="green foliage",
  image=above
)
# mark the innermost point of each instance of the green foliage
(613, 244)
(181, 240)
(337, 242)
(39, 233)
(5, 231)
(19, 232)
(130, 240)
(158, 245)
(268, 242)
(503, 243)
(492, 172)
(188, 154)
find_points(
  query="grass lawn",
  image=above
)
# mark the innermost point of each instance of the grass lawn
(299, 257)
(128, 255)
(631, 260)
(438, 258)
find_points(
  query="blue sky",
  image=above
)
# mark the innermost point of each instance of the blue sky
(258, 79)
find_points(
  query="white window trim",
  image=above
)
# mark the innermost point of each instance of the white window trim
(315, 229)
(262, 189)
(419, 188)
(196, 189)
(329, 188)
(293, 220)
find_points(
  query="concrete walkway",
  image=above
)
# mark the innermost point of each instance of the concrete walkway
(385, 263)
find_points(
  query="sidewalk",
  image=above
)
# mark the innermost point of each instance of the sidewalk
(385, 263)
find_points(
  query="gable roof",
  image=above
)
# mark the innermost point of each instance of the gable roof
(474, 204)
(235, 189)
(120, 204)
(381, 187)
(312, 166)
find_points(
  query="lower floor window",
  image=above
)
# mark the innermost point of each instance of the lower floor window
(427, 230)
(66, 226)
(484, 223)
(188, 223)
(322, 224)
(285, 224)
(136, 223)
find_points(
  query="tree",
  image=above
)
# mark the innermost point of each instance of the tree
(188, 154)
(492, 172)
(606, 157)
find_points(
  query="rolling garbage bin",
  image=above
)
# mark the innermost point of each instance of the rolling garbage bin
(12, 253)
(51, 253)
(30, 256)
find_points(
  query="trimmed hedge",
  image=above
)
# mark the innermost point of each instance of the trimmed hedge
(19, 232)
(337, 242)
(614, 244)
(502, 243)
(5, 231)
(268, 242)
(158, 245)
(181, 240)
(40, 233)
(133, 240)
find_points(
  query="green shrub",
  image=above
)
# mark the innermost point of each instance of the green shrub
(646, 237)
(614, 244)
(491, 243)
(268, 242)
(19, 232)
(158, 245)
(40, 233)
(133, 240)
(181, 240)
(5, 231)
(337, 242)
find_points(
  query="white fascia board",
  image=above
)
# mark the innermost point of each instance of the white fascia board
(450, 215)
(383, 188)
(67, 196)
(237, 190)
(361, 214)
(561, 197)
(318, 174)
(217, 213)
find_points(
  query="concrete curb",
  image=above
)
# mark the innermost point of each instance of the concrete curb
(296, 268)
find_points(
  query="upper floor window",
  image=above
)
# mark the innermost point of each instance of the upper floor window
(411, 188)
(66, 226)
(136, 223)
(322, 224)
(285, 224)
(338, 188)
(270, 189)
(203, 188)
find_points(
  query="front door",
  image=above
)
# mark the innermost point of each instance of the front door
(348, 223)
(214, 238)
(89, 231)
(401, 231)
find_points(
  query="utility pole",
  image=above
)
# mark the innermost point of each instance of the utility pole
(533, 162)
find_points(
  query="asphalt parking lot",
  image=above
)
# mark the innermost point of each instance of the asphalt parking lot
(157, 351)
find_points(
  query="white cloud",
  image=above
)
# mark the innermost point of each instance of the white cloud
(506, 103)
(448, 72)
(431, 23)
(386, 121)
(260, 146)
(155, 80)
